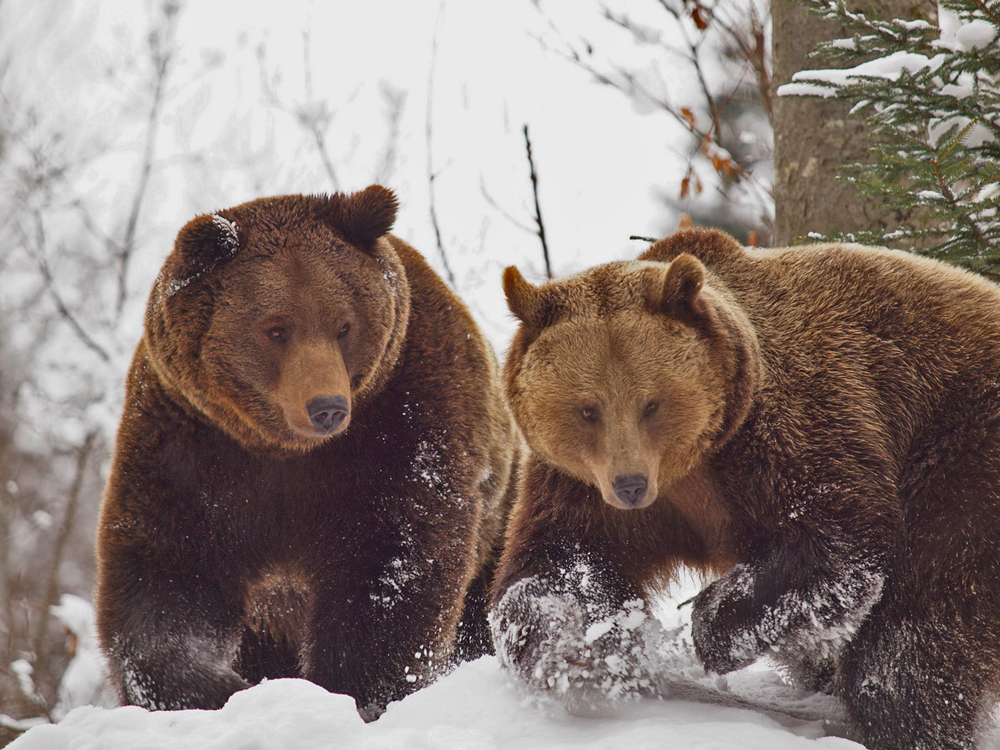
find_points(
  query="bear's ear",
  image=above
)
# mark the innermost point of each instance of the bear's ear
(205, 242)
(681, 294)
(364, 216)
(531, 305)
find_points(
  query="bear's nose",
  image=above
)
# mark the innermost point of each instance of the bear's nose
(630, 489)
(327, 413)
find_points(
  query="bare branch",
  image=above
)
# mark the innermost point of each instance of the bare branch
(52, 588)
(538, 208)
(693, 33)
(395, 100)
(316, 122)
(628, 85)
(492, 202)
(750, 46)
(21, 725)
(694, 49)
(315, 117)
(320, 138)
(91, 226)
(429, 136)
(161, 53)
(50, 285)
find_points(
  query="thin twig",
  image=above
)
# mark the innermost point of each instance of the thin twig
(631, 86)
(538, 208)
(694, 57)
(324, 154)
(161, 53)
(495, 205)
(306, 116)
(395, 100)
(311, 121)
(428, 134)
(50, 285)
(753, 53)
(708, 131)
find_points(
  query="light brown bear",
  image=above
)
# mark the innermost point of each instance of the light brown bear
(818, 426)
(311, 475)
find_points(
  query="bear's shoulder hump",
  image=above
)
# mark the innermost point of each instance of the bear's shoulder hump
(710, 246)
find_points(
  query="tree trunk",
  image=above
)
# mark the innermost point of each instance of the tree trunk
(813, 137)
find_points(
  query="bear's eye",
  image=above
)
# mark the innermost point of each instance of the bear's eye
(278, 333)
(651, 408)
(589, 414)
(343, 331)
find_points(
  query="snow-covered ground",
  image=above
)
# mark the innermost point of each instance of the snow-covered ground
(473, 708)
(476, 707)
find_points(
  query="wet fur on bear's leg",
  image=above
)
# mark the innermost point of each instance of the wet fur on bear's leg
(473, 637)
(948, 707)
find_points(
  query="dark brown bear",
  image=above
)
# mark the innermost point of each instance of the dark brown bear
(819, 426)
(312, 466)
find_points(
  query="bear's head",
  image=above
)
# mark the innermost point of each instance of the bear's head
(627, 375)
(277, 318)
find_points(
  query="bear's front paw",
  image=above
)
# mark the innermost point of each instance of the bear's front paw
(539, 637)
(718, 654)
(559, 648)
(726, 635)
(157, 686)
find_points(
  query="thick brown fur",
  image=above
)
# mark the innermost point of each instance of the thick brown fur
(241, 536)
(819, 425)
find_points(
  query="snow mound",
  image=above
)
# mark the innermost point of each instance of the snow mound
(83, 683)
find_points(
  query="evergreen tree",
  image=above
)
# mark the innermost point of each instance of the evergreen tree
(930, 97)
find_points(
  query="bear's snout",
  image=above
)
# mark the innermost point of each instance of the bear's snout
(327, 413)
(630, 489)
